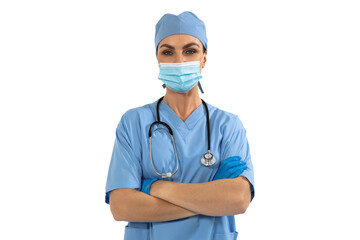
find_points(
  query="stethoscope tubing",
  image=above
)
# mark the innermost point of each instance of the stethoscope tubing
(169, 128)
(206, 162)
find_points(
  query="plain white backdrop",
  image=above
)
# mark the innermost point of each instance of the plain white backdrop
(289, 69)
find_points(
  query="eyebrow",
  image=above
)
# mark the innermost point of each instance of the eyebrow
(186, 46)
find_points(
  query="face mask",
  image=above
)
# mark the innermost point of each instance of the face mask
(180, 77)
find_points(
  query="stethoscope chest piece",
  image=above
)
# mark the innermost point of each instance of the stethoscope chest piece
(208, 159)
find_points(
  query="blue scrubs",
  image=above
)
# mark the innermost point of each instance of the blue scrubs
(130, 162)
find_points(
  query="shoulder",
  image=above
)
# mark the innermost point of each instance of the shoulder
(224, 118)
(137, 114)
(134, 113)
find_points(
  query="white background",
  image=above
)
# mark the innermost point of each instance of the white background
(288, 69)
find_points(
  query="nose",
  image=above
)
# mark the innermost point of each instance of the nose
(179, 58)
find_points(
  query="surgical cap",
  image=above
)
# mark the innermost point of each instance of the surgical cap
(184, 23)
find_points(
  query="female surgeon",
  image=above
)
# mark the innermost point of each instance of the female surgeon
(180, 167)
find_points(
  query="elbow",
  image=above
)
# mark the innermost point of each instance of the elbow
(118, 202)
(242, 204)
(116, 213)
(243, 196)
(241, 209)
(117, 210)
(118, 218)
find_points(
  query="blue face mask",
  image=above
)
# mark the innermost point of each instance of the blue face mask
(180, 77)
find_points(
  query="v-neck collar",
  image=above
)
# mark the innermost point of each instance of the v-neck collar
(166, 112)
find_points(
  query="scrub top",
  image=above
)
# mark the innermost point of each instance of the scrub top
(130, 162)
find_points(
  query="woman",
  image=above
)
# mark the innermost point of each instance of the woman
(189, 179)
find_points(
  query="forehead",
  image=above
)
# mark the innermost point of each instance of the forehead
(179, 40)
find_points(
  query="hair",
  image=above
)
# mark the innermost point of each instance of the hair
(204, 49)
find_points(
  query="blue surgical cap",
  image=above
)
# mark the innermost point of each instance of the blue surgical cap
(184, 23)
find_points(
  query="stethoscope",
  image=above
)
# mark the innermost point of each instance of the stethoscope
(208, 159)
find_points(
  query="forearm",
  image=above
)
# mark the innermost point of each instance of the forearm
(134, 206)
(217, 198)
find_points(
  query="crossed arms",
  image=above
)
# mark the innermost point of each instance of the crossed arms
(172, 200)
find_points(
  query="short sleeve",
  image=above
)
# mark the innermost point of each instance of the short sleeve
(125, 169)
(236, 144)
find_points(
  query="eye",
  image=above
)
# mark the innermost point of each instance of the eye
(167, 52)
(190, 51)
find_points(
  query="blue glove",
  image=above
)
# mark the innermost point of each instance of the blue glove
(231, 167)
(146, 184)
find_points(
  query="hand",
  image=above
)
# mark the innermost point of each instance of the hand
(146, 185)
(231, 167)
